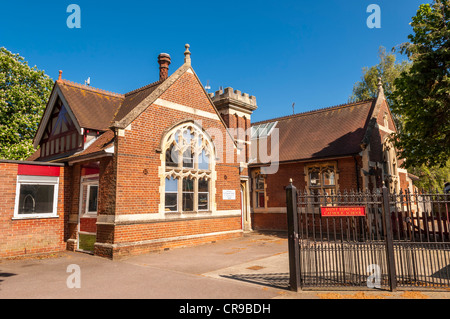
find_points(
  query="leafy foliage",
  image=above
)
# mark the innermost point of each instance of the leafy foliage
(422, 95)
(388, 70)
(24, 92)
(432, 177)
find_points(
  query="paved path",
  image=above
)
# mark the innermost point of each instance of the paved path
(251, 267)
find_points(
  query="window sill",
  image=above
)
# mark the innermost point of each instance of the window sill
(89, 215)
(189, 212)
(34, 217)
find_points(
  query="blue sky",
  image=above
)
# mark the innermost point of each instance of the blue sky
(305, 52)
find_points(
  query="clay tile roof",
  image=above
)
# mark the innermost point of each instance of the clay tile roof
(133, 98)
(325, 133)
(93, 108)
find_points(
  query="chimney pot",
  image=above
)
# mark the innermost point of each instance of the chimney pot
(164, 62)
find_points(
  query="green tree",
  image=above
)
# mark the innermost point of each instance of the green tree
(431, 177)
(422, 94)
(388, 69)
(24, 92)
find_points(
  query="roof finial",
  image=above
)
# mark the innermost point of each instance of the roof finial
(187, 54)
(380, 87)
(60, 75)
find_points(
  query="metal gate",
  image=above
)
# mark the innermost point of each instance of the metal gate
(409, 249)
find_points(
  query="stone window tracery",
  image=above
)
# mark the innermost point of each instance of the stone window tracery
(189, 170)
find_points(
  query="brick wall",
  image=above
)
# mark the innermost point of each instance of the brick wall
(134, 176)
(267, 219)
(138, 238)
(28, 236)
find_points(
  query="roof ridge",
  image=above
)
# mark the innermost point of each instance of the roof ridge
(144, 87)
(90, 88)
(320, 110)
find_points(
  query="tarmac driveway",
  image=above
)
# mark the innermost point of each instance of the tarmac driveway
(251, 267)
(254, 266)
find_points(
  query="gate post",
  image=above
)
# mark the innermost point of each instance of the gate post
(292, 223)
(389, 240)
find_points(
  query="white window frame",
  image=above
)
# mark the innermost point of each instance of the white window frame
(37, 180)
(171, 192)
(88, 180)
(88, 195)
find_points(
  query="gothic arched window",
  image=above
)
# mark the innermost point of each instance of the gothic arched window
(188, 169)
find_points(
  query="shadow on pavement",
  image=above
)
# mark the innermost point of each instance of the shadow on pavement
(275, 280)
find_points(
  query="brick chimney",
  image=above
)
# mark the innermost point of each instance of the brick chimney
(164, 62)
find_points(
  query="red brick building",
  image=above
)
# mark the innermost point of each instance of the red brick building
(170, 165)
(147, 170)
(340, 148)
(32, 208)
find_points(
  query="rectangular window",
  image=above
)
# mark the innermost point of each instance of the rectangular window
(314, 177)
(329, 177)
(260, 183)
(203, 194)
(36, 197)
(92, 199)
(260, 191)
(188, 195)
(261, 199)
(171, 196)
(322, 183)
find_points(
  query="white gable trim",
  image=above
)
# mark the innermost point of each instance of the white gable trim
(186, 109)
(49, 111)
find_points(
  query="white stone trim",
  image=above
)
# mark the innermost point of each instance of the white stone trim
(384, 128)
(270, 210)
(163, 240)
(236, 112)
(110, 219)
(186, 109)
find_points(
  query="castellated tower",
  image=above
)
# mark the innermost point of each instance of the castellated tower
(236, 109)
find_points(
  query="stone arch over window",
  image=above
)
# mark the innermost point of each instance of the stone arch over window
(187, 171)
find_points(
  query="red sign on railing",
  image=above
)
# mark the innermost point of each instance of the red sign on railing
(343, 211)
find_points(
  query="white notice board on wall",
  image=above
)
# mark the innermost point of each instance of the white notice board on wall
(229, 194)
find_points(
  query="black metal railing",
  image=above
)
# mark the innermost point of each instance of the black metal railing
(409, 248)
